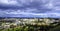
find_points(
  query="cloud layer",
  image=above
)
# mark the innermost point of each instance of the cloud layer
(30, 8)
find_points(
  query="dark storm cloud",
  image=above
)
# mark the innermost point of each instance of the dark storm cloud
(24, 4)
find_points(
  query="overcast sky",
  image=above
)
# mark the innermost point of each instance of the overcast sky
(30, 8)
